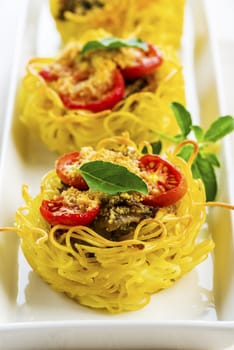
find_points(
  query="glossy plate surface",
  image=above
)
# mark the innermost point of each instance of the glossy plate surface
(198, 310)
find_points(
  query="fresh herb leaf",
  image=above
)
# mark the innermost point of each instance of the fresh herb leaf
(211, 158)
(179, 138)
(156, 147)
(203, 169)
(198, 132)
(111, 178)
(205, 162)
(219, 128)
(113, 43)
(183, 117)
(186, 152)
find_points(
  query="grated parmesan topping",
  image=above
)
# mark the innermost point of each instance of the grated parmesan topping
(82, 200)
(128, 158)
(90, 76)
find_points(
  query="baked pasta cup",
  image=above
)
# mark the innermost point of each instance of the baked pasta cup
(140, 105)
(157, 21)
(134, 245)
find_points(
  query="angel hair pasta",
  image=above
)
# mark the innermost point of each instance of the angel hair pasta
(157, 21)
(109, 244)
(98, 88)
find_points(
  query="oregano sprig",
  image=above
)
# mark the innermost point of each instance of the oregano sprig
(204, 164)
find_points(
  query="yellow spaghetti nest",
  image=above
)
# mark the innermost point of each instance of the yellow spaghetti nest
(157, 21)
(116, 275)
(143, 113)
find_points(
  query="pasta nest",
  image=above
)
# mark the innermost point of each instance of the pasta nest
(144, 114)
(120, 275)
(159, 22)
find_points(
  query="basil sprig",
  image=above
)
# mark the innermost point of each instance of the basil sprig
(204, 164)
(113, 43)
(111, 178)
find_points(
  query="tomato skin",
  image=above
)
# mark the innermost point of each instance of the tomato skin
(62, 169)
(55, 212)
(146, 65)
(172, 186)
(48, 75)
(108, 101)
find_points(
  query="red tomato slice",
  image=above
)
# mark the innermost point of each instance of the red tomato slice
(143, 65)
(56, 212)
(48, 75)
(170, 184)
(108, 101)
(67, 169)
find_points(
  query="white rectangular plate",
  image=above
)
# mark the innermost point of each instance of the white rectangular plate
(198, 310)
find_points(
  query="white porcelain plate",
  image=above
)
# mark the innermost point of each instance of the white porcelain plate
(196, 313)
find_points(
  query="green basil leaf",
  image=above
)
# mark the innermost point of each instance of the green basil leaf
(204, 170)
(179, 138)
(183, 117)
(186, 152)
(219, 128)
(113, 43)
(111, 178)
(198, 132)
(211, 158)
(156, 147)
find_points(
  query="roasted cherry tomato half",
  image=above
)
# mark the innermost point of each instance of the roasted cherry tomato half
(48, 75)
(56, 212)
(67, 169)
(144, 64)
(170, 184)
(108, 100)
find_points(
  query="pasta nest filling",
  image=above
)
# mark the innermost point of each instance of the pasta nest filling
(122, 18)
(144, 110)
(116, 275)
